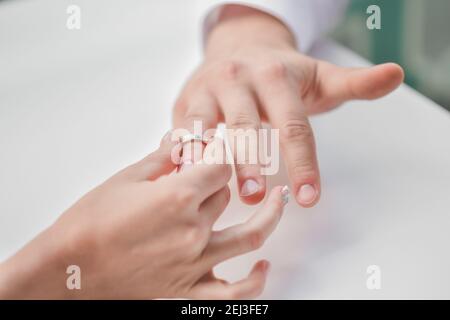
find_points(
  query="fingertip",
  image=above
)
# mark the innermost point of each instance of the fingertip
(263, 266)
(387, 78)
(397, 74)
(169, 139)
(308, 195)
(374, 82)
(169, 145)
(279, 195)
(252, 191)
(395, 67)
(393, 71)
(259, 273)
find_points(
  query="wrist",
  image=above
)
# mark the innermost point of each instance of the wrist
(37, 271)
(240, 25)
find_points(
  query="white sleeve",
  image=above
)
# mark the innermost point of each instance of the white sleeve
(307, 19)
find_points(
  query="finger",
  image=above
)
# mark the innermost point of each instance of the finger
(203, 179)
(199, 114)
(243, 124)
(213, 206)
(248, 288)
(339, 84)
(249, 236)
(285, 111)
(156, 164)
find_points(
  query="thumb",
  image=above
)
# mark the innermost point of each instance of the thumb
(160, 162)
(340, 84)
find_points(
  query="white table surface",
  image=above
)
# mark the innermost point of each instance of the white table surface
(76, 106)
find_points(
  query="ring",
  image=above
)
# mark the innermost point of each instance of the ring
(192, 137)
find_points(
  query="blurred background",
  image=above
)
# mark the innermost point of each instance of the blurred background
(414, 33)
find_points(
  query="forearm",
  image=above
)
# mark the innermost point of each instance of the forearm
(37, 271)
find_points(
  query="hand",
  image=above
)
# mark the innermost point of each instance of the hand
(145, 233)
(253, 73)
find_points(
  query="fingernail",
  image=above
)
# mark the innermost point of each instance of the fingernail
(285, 195)
(186, 164)
(249, 187)
(307, 194)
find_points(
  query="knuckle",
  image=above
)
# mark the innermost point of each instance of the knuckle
(193, 114)
(230, 69)
(274, 71)
(194, 239)
(304, 171)
(243, 120)
(184, 197)
(295, 129)
(255, 239)
(193, 236)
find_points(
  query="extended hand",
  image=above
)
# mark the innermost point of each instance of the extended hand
(253, 73)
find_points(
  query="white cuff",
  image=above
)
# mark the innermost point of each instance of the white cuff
(307, 19)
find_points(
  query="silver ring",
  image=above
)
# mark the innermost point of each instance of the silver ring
(192, 137)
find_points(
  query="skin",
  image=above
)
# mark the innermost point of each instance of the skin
(145, 233)
(253, 73)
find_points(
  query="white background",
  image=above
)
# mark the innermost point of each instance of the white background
(76, 106)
